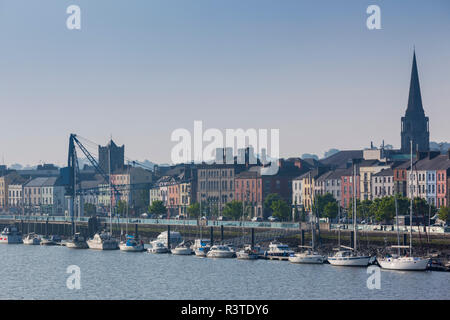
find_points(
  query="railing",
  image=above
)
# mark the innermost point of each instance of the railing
(236, 224)
(390, 228)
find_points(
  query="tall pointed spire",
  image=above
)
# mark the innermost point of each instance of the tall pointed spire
(415, 98)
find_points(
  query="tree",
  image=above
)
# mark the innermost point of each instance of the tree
(194, 210)
(280, 209)
(233, 210)
(121, 206)
(268, 202)
(330, 210)
(444, 213)
(157, 207)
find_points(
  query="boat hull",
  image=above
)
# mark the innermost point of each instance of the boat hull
(308, 259)
(11, 239)
(221, 254)
(32, 242)
(405, 264)
(182, 251)
(136, 248)
(46, 242)
(362, 261)
(77, 245)
(158, 250)
(103, 245)
(246, 256)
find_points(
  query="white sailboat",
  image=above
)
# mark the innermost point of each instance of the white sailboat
(309, 255)
(105, 240)
(246, 253)
(350, 256)
(408, 262)
(32, 239)
(183, 248)
(77, 241)
(157, 246)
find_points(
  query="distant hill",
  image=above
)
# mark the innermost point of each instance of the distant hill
(441, 146)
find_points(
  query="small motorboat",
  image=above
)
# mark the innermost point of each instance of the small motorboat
(103, 241)
(220, 251)
(32, 239)
(77, 242)
(307, 256)
(247, 254)
(201, 247)
(131, 244)
(157, 246)
(11, 235)
(183, 248)
(47, 241)
(278, 249)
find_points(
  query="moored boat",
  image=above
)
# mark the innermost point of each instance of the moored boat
(10, 235)
(32, 239)
(278, 249)
(220, 251)
(77, 242)
(182, 249)
(308, 256)
(131, 244)
(103, 241)
(348, 258)
(157, 246)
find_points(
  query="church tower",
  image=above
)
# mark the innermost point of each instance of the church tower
(415, 125)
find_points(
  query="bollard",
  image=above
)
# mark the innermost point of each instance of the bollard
(352, 239)
(212, 235)
(168, 236)
(253, 238)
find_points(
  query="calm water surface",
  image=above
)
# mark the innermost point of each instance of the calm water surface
(39, 272)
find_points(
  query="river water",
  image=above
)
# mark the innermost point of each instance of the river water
(39, 272)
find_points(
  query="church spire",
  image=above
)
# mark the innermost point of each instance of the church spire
(415, 98)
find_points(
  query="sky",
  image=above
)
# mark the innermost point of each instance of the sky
(138, 70)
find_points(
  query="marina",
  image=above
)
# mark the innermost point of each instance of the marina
(39, 272)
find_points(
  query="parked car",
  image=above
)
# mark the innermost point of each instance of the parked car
(203, 218)
(256, 219)
(273, 219)
(221, 218)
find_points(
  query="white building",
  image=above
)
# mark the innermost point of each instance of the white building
(383, 184)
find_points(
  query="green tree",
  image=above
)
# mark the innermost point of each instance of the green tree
(121, 206)
(233, 210)
(268, 202)
(444, 213)
(280, 209)
(157, 207)
(194, 210)
(330, 210)
(385, 209)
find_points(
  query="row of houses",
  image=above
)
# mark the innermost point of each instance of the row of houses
(369, 174)
(368, 179)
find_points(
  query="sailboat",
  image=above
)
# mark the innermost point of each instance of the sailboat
(248, 252)
(308, 255)
(105, 240)
(131, 243)
(201, 246)
(350, 256)
(77, 241)
(407, 262)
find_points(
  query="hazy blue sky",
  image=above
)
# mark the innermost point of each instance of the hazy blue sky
(140, 69)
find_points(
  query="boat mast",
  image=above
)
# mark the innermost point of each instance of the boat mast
(396, 219)
(354, 208)
(312, 218)
(339, 225)
(110, 189)
(410, 206)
